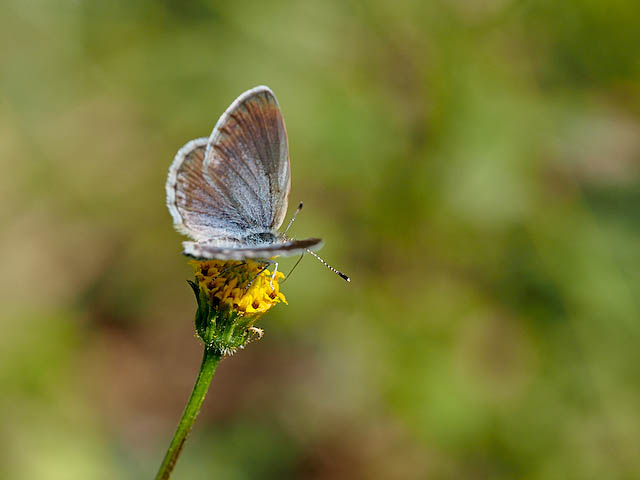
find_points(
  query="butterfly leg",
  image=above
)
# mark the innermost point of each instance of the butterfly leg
(230, 268)
(267, 263)
(291, 271)
(273, 275)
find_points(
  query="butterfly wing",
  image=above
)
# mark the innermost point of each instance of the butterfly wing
(196, 208)
(209, 251)
(237, 181)
(247, 160)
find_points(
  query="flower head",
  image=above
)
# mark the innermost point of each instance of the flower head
(232, 295)
(237, 286)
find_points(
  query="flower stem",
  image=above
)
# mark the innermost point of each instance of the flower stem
(210, 361)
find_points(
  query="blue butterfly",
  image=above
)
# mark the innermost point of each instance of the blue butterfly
(229, 192)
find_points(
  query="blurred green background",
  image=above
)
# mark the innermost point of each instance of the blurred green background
(473, 165)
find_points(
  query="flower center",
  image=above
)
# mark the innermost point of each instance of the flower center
(240, 286)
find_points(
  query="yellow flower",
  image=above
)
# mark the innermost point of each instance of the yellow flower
(236, 285)
(231, 296)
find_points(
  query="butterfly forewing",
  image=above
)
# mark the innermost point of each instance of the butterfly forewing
(247, 160)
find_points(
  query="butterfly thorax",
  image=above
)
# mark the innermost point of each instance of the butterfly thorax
(261, 238)
(251, 240)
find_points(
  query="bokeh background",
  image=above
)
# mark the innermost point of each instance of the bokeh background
(473, 165)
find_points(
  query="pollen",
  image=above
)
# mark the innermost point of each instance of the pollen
(240, 286)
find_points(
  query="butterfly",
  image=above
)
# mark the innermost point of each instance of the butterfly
(229, 192)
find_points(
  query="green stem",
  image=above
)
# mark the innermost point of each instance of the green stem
(210, 361)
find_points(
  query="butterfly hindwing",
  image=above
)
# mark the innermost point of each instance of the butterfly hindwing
(196, 207)
(209, 251)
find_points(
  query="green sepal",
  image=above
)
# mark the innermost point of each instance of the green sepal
(202, 314)
(219, 327)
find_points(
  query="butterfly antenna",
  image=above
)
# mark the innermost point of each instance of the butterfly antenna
(295, 214)
(337, 272)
